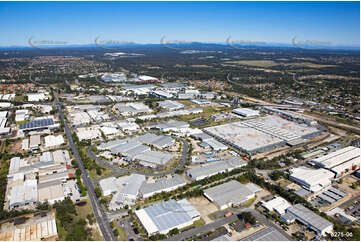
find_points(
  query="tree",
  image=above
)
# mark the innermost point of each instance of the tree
(97, 191)
(247, 217)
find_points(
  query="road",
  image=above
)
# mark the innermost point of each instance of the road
(120, 170)
(99, 213)
(212, 226)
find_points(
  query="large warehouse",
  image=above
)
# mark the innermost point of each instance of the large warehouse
(229, 194)
(244, 138)
(341, 160)
(208, 170)
(310, 219)
(261, 134)
(312, 179)
(164, 216)
(246, 112)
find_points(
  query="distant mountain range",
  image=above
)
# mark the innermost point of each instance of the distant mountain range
(188, 46)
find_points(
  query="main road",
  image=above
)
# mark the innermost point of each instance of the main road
(99, 213)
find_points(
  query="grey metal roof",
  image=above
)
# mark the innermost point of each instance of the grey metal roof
(167, 214)
(326, 198)
(214, 168)
(338, 192)
(201, 136)
(155, 157)
(162, 184)
(133, 184)
(302, 192)
(267, 234)
(156, 140)
(332, 195)
(230, 192)
(314, 220)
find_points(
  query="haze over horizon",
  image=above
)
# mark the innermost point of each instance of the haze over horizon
(79, 23)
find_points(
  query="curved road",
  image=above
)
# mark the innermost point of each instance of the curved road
(99, 213)
(120, 170)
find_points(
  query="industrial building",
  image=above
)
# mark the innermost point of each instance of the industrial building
(266, 234)
(3, 121)
(262, 134)
(171, 114)
(133, 149)
(208, 170)
(340, 161)
(277, 204)
(130, 109)
(244, 138)
(246, 112)
(125, 189)
(22, 115)
(170, 125)
(170, 105)
(52, 140)
(161, 185)
(159, 141)
(313, 180)
(36, 97)
(39, 123)
(88, 133)
(229, 194)
(313, 221)
(31, 228)
(164, 216)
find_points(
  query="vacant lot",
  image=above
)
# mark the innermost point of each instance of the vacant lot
(204, 207)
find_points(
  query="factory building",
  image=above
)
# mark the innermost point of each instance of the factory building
(277, 204)
(313, 221)
(262, 134)
(229, 194)
(164, 216)
(170, 105)
(208, 170)
(313, 180)
(246, 112)
(340, 161)
(130, 109)
(161, 185)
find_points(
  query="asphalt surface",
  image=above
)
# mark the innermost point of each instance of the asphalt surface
(99, 213)
(120, 170)
(212, 226)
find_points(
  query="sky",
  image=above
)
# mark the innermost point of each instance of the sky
(337, 23)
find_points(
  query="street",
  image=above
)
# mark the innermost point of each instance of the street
(99, 213)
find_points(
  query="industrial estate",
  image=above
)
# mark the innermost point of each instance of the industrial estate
(196, 143)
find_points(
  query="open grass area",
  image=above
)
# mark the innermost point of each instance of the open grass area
(308, 64)
(83, 210)
(250, 202)
(122, 234)
(93, 174)
(61, 231)
(198, 223)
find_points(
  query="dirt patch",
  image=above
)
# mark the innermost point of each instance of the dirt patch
(204, 207)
